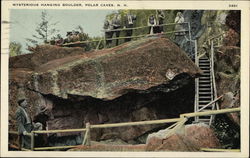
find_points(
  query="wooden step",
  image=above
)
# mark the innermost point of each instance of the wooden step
(204, 62)
(205, 93)
(203, 104)
(204, 85)
(205, 77)
(205, 74)
(203, 89)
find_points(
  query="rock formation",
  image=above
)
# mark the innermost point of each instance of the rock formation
(194, 138)
(66, 87)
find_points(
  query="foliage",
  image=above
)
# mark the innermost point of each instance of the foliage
(15, 49)
(45, 30)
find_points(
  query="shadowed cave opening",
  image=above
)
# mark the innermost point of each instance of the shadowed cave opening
(161, 102)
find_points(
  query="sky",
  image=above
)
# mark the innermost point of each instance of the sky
(24, 22)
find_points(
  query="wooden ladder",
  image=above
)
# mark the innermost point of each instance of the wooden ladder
(204, 91)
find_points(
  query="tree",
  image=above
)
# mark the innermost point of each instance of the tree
(15, 48)
(45, 30)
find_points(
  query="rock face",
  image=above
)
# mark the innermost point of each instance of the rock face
(228, 66)
(113, 72)
(143, 80)
(195, 137)
(227, 71)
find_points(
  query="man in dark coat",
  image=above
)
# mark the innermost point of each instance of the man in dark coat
(108, 33)
(160, 17)
(24, 123)
(129, 23)
(116, 23)
(151, 24)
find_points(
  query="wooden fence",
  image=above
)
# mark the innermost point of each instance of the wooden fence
(178, 126)
(138, 36)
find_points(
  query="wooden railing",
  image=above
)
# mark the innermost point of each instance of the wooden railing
(219, 150)
(138, 36)
(217, 39)
(178, 126)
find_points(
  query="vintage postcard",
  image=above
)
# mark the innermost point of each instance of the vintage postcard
(125, 78)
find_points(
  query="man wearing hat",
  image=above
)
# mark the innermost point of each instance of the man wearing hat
(24, 123)
(129, 23)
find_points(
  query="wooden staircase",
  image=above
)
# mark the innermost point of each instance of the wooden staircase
(204, 91)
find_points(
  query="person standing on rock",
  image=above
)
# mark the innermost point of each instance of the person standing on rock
(129, 23)
(151, 24)
(116, 23)
(179, 19)
(108, 33)
(160, 20)
(25, 124)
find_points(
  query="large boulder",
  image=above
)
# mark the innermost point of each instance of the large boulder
(195, 136)
(231, 101)
(138, 65)
(132, 82)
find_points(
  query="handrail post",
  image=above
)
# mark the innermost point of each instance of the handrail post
(196, 81)
(105, 44)
(189, 31)
(87, 139)
(88, 135)
(98, 45)
(32, 139)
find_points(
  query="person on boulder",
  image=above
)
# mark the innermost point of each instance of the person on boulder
(160, 20)
(25, 124)
(129, 23)
(108, 33)
(179, 19)
(116, 23)
(151, 24)
(59, 40)
(68, 37)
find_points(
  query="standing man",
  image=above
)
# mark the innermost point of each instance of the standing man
(179, 19)
(129, 23)
(152, 23)
(24, 123)
(108, 33)
(160, 18)
(68, 37)
(116, 23)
